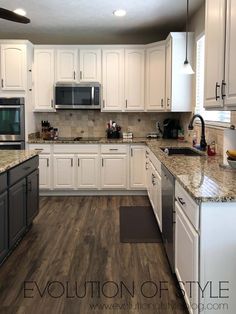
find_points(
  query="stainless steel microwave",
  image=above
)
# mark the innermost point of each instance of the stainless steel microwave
(78, 96)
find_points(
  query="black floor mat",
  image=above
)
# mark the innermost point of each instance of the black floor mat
(138, 225)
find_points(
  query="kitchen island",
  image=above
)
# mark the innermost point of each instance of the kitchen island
(19, 196)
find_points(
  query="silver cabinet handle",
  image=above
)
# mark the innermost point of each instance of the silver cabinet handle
(113, 149)
(162, 102)
(78, 162)
(74, 74)
(126, 103)
(52, 103)
(131, 152)
(223, 85)
(168, 102)
(2, 82)
(81, 75)
(102, 162)
(71, 162)
(47, 162)
(146, 165)
(216, 90)
(103, 102)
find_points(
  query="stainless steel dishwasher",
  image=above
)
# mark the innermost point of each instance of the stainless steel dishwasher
(168, 213)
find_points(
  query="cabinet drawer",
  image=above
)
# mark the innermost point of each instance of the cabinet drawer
(3, 182)
(190, 208)
(23, 170)
(113, 149)
(76, 148)
(43, 148)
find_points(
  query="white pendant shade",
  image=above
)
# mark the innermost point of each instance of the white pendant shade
(187, 69)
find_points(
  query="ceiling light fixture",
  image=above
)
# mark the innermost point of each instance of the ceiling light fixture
(187, 69)
(20, 12)
(119, 12)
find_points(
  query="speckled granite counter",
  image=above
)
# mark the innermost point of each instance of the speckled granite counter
(12, 158)
(202, 177)
(103, 140)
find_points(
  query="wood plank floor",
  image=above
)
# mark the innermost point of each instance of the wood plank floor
(72, 260)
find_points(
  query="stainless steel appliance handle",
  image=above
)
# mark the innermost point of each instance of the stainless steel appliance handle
(92, 95)
(9, 106)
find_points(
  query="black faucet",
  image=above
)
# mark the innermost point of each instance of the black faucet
(203, 143)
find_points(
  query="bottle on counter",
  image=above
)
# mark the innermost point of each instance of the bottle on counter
(55, 133)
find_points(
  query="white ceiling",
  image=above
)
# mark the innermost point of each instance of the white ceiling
(92, 21)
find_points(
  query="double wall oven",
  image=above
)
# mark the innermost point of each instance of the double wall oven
(12, 123)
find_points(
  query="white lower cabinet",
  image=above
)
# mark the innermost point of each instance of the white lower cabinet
(114, 171)
(87, 171)
(44, 171)
(186, 257)
(64, 171)
(137, 167)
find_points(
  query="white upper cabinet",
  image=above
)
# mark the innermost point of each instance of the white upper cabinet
(134, 79)
(113, 79)
(44, 79)
(13, 67)
(67, 65)
(230, 53)
(214, 52)
(155, 78)
(220, 63)
(90, 65)
(178, 85)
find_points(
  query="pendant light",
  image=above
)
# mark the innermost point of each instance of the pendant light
(187, 69)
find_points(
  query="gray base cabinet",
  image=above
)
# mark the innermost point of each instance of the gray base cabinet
(17, 211)
(32, 196)
(3, 226)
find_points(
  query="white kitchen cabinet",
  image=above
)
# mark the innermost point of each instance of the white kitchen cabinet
(90, 65)
(45, 171)
(114, 171)
(134, 79)
(67, 65)
(186, 256)
(87, 170)
(13, 67)
(64, 171)
(137, 167)
(155, 78)
(178, 85)
(220, 50)
(43, 79)
(214, 52)
(113, 79)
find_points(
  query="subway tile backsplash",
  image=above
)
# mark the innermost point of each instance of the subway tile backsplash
(92, 123)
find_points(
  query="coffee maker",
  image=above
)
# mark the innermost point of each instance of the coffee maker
(170, 128)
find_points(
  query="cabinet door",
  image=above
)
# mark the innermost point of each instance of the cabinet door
(44, 171)
(87, 171)
(134, 79)
(114, 172)
(186, 255)
(214, 52)
(168, 74)
(155, 78)
(44, 79)
(17, 211)
(137, 167)
(230, 60)
(66, 65)
(64, 171)
(13, 67)
(90, 65)
(3, 226)
(32, 196)
(113, 79)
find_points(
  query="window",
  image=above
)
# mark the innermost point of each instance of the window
(212, 116)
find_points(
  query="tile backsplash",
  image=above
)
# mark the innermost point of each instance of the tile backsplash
(92, 123)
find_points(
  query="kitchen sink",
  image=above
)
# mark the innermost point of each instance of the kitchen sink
(186, 151)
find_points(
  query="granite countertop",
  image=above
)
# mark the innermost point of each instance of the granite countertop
(201, 176)
(99, 140)
(12, 158)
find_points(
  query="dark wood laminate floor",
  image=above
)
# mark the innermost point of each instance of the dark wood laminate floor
(73, 250)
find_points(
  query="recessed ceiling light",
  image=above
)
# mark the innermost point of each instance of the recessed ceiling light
(119, 12)
(20, 12)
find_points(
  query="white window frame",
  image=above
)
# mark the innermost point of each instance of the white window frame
(209, 123)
